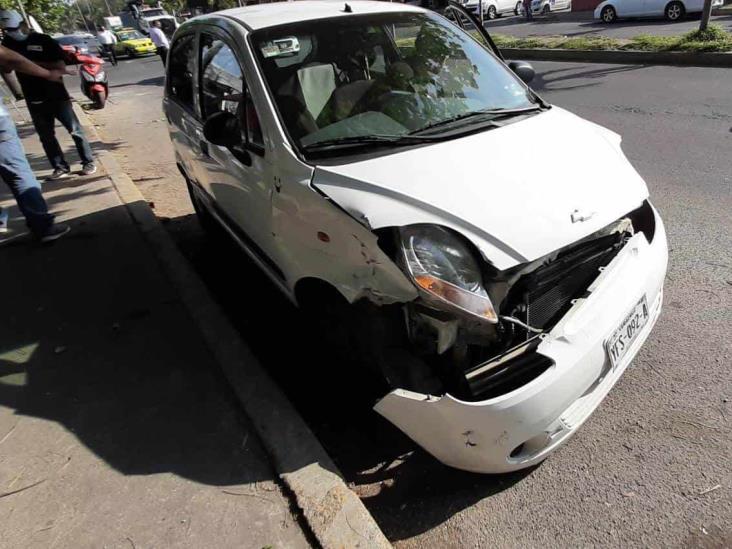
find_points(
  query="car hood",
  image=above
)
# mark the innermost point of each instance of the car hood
(518, 192)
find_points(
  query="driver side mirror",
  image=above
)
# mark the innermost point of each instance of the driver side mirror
(222, 129)
(523, 70)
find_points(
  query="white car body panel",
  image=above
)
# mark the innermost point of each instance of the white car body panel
(498, 186)
(480, 436)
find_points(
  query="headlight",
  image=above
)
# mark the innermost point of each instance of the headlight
(444, 269)
(86, 76)
(101, 75)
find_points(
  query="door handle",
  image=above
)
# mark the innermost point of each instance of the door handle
(204, 147)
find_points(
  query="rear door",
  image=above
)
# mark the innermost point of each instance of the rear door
(179, 102)
(237, 178)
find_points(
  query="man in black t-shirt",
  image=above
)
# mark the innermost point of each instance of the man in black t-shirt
(47, 101)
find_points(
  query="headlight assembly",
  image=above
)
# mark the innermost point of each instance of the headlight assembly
(445, 270)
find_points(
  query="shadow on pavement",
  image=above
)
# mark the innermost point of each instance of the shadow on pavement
(156, 81)
(569, 78)
(94, 339)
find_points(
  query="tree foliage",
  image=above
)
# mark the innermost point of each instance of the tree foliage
(48, 13)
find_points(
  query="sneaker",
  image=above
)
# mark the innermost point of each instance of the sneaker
(3, 221)
(54, 233)
(59, 173)
(89, 168)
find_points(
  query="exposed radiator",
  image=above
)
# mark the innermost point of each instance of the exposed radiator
(549, 290)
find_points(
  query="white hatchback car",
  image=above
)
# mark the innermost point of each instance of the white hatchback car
(371, 158)
(673, 10)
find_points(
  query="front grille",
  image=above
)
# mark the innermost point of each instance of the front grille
(507, 371)
(547, 292)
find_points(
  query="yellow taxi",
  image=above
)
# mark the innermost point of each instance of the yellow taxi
(133, 43)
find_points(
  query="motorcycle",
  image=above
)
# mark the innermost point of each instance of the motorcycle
(94, 83)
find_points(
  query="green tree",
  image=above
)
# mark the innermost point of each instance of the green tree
(48, 13)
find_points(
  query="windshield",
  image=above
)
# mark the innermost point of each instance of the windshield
(153, 12)
(380, 75)
(129, 35)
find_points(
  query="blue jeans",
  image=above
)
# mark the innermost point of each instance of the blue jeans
(17, 174)
(44, 117)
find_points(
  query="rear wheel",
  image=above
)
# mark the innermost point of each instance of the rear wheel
(209, 225)
(492, 14)
(608, 14)
(546, 9)
(674, 11)
(518, 8)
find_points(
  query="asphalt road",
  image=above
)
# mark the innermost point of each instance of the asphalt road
(651, 467)
(540, 26)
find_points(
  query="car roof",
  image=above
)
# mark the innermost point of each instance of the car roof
(260, 16)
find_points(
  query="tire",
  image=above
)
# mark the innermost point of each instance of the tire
(518, 8)
(608, 14)
(491, 13)
(209, 225)
(546, 9)
(100, 99)
(674, 11)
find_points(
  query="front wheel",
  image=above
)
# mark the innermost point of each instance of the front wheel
(608, 14)
(546, 9)
(100, 99)
(518, 9)
(492, 14)
(674, 11)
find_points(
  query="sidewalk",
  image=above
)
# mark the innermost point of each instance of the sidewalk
(116, 427)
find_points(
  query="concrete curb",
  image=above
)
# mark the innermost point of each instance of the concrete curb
(703, 59)
(336, 516)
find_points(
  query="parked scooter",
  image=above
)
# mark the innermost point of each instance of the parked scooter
(94, 83)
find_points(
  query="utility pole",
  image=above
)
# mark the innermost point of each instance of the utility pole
(22, 12)
(76, 3)
(706, 14)
(109, 10)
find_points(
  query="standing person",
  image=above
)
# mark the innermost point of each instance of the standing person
(14, 168)
(47, 101)
(527, 9)
(160, 40)
(107, 40)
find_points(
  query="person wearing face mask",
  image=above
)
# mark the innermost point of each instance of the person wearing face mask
(47, 101)
(14, 168)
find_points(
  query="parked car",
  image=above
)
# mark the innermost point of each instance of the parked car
(494, 8)
(544, 7)
(82, 43)
(370, 158)
(132, 43)
(673, 10)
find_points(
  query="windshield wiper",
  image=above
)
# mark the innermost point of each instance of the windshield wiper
(362, 140)
(489, 115)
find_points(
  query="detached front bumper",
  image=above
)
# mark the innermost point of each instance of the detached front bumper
(521, 428)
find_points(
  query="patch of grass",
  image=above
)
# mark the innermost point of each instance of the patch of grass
(715, 38)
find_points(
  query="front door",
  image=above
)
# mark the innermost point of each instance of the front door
(238, 178)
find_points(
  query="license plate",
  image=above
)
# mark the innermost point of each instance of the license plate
(624, 335)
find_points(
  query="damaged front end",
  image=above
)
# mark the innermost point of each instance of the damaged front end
(484, 338)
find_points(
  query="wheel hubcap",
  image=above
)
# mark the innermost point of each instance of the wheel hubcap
(673, 12)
